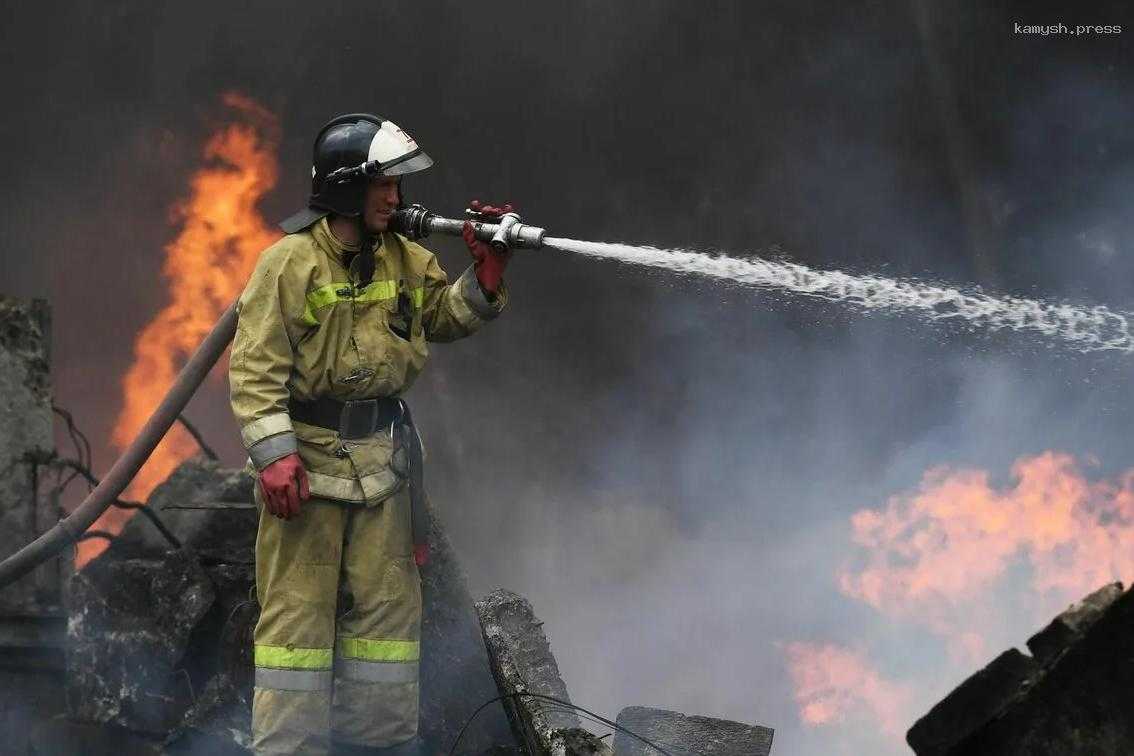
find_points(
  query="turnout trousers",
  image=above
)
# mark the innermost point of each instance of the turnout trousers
(329, 669)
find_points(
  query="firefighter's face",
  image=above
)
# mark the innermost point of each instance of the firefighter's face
(379, 203)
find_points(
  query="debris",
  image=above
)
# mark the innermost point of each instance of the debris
(58, 736)
(1072, 623)
(973, 703)
(455, 674)
(679, 734)
(1073, 699)
(522, 662)
(130, 622)
(208, 508)
(25, 444)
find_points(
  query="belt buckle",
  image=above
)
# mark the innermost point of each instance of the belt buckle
(359, 418)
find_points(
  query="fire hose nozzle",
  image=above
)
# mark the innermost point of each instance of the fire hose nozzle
(508, 221)
(416, 223)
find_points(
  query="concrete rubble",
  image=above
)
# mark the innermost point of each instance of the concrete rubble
(129, 628)
(157, 630)
(32, 621)
(1072, 697)
(208, 510)
(25, 445)
(523, 664)
(455, 674)
(688, 735)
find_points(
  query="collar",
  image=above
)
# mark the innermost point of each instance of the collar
(331, 244)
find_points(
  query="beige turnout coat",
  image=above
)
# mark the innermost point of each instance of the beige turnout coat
(307, 329)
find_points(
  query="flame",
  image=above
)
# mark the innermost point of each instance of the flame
(936, 556)
(949, 557)
(206, 267)
(833, 684)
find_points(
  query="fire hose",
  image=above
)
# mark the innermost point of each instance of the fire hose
(415, 222)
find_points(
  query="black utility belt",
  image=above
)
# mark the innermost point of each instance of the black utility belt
(354, 418)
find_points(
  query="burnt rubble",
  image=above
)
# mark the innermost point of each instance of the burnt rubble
(1072, 696)
(455, 674)
(32, 621)
(540, 709)
(148, 648)
(522, 662)
(160, 642)
(688, 735)
(208, 509)
(129, 628)
(196, 692)
(25, 445)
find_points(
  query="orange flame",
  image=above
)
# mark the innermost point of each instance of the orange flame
(833, 684)
(950, 554)
(206, 267)
(937, 555)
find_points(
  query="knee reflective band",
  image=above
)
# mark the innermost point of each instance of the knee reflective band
(284, 668)
(378, 661)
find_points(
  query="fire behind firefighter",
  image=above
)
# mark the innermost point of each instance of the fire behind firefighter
(332, 330)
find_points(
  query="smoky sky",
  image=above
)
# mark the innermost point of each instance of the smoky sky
(664, 466)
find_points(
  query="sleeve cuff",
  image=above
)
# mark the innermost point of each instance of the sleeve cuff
(476, 300)
(265, 452)
(269, 425)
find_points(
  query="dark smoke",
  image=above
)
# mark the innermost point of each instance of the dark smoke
(666, 469)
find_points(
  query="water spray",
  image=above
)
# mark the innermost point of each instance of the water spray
(1083, 328)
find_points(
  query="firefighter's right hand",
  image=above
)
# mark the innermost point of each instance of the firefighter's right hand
(284, 484)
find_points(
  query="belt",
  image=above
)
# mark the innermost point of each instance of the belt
(354, 418)
(360, 418)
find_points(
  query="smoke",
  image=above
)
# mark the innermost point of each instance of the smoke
(834, 684)
(666, 467)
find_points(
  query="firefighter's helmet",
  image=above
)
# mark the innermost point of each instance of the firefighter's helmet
(350, 150)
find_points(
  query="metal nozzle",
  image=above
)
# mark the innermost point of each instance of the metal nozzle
(417, 223)
(508, 221)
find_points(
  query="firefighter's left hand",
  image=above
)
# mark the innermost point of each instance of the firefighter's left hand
(490, 264)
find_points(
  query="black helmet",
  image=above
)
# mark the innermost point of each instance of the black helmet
(349, 151)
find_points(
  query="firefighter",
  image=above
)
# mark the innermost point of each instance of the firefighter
(333, 329)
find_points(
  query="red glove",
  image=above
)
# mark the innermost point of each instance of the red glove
(489, 263)
(284, 483)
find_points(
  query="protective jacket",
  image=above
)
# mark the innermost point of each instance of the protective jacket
(307, 329)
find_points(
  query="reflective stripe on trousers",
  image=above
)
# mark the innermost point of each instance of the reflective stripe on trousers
(377, 660)
(284, 668)
(359, 659)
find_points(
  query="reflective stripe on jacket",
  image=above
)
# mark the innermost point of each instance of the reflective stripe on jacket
(308, 329)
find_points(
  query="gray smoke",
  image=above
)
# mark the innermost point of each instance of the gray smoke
(664, 466)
